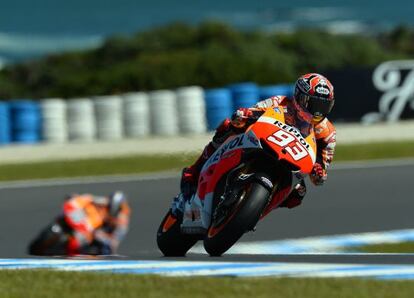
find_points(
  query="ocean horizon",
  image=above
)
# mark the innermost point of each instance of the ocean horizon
(30, 29)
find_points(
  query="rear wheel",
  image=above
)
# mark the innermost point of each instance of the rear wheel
(170, 240)
(227, 227)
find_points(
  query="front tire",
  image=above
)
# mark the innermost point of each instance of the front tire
(49, 242)
(244, 216)
(170, 240)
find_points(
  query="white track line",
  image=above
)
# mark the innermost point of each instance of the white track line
(333, 244)
(239, 269)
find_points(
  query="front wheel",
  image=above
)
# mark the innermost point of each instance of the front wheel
(170, 240)
(243, 217)
(50, 242)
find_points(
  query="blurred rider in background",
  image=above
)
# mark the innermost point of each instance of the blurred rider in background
(97, 221)
(308, 109)
(88, 225)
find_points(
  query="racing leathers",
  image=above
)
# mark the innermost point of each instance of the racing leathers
(325, 135)
(92, 227)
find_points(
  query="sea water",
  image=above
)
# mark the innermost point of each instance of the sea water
(33, 28)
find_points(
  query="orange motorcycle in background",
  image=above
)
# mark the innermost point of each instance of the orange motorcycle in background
(86, 222)
(53, 240)
(249, 175)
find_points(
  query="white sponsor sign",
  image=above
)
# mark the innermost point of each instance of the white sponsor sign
(398, 93)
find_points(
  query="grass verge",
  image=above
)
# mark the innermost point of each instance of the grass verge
(147, 164)
(403, 247)
(374, 151)
(45, 283)
(94, 167)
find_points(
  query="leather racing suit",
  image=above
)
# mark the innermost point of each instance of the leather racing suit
(89, 219)
(325, 135)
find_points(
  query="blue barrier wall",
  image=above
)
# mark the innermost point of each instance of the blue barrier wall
(274, 90)
(244, 95)
(218, 106)
(25, 121)
(21, 121)
(5, 133)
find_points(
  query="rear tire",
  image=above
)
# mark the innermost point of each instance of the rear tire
(170, 240)
(244, 217)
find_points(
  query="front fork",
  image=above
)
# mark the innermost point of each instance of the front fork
(198, 213)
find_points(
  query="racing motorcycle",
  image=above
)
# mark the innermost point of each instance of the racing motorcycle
(249, 175)
(53, 240)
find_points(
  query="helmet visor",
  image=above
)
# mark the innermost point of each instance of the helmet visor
(319, 106)
(117, 199)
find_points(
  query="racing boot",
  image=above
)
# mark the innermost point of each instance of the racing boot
(190, 205)
(189, 177)
(177, 205)
(296, 196)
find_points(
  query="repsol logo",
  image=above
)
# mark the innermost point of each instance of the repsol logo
(235, 143)
(293, 131)
(253, 140)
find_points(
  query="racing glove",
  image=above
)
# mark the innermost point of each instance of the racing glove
(240, 117)
(318, 175)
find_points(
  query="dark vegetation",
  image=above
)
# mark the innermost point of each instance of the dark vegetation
(210, 55)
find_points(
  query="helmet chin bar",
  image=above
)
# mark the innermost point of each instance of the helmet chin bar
(317, 107)
(318, 118)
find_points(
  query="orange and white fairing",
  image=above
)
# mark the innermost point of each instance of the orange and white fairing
(84, 216)
(286, 141)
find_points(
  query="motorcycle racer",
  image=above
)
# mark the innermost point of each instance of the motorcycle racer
(98, 222)
(308, 109)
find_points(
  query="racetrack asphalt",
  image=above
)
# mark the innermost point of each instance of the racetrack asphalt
(354, 199)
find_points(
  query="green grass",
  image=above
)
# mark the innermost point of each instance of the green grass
(403, 247)
(374, 151)
(45, 283)
(146, 164)
(94, 167)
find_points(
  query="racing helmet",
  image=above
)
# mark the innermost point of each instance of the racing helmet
(116, 199)
(315, 94)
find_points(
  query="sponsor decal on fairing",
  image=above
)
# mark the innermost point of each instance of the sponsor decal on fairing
(248, 140)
